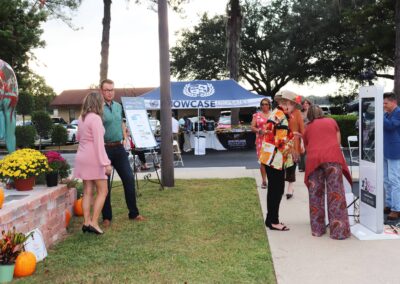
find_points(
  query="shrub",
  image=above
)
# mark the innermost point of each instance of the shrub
(43, 124)
(347, 125)
(59, 135)
(25, 136)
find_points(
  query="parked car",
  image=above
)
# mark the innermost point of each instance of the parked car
(224, 122)
(72, 131)
(58, 120)
(21, 123)
(74, 122)
(326, 109)
(155, 125)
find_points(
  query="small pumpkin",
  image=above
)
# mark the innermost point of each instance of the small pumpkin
(67, 218)
(25, 264)
(78, 210)
(1, 197)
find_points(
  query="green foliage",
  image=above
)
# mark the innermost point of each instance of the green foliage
(292, 40)
(200, 54)
(59, 135)
(347, 125)
(42, 93)
(25, 136)
(25, 104)
(11, 245)
(20, 32)
(42, 122)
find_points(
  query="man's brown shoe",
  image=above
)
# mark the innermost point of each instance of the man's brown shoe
(139, 218)
(387, 210)
(394, 215)
(106, 224)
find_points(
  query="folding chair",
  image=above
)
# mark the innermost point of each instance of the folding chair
(177, 153)
(352, 142)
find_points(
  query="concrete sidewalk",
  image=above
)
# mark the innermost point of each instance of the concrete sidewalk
(299, 257)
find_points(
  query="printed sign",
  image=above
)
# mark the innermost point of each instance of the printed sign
(138, 122)
(35, 244)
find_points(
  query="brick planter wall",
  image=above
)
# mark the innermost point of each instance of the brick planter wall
(44, 208)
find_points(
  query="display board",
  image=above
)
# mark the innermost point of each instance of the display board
(371, 158)
(138, 122)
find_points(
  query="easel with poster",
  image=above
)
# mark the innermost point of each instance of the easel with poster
(140, 130)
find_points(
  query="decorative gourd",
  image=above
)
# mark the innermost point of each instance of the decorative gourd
(25, 264)
(78, 207)
(1, 197)
(67, 218)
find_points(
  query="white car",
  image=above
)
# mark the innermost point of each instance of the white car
(72, 131)
(155, 125)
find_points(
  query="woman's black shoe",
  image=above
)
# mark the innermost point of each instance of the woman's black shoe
(92, 229)
(289, 195)
(85, 228)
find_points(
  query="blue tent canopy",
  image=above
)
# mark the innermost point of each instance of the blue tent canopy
(205, 94)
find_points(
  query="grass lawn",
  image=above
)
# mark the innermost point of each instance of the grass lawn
(200, 231)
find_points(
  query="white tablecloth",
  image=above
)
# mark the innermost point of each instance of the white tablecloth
(212, 141)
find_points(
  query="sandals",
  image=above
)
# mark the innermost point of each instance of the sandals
(284, 228)
(264, 185)
(144, 168)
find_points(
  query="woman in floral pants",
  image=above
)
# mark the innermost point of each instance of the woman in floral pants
(325, 167)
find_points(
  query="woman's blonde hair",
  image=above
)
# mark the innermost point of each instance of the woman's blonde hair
(314, 112)
(93, 102)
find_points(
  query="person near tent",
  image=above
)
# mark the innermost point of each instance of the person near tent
(296, 124)
(306, 105)
(175, 128)
(391, 153)
(258, 126)
(276, 155)
(113, 137)
(325, 167)
(130, 146)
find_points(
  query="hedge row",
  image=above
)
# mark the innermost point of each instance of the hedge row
(347, 125)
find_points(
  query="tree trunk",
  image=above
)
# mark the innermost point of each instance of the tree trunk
(167, 157)
(397, 53)
(233, 29)
(105, 40)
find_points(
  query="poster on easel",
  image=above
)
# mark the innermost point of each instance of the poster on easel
(138, 122)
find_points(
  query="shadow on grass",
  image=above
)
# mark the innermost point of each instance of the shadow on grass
(200, 231)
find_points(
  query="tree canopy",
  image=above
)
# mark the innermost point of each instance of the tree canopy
(293, 40)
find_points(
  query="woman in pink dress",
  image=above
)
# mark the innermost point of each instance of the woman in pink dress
(91, 163)
(258, 125)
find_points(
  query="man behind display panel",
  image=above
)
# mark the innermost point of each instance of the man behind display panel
(391, 162)
(113, 139)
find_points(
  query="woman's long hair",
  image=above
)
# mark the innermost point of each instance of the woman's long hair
(93, 102)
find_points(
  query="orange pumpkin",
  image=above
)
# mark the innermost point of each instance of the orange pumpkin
(67, 218)
(78, 207)
(25, 264)
(1, 197)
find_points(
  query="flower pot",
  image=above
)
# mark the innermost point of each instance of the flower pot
(6, 273)
(24, 184)
(52, 179)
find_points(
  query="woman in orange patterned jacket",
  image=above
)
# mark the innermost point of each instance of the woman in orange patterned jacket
(276, 155)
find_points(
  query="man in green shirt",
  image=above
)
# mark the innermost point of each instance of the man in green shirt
(113, 138)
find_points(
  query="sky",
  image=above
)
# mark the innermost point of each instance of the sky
(71, 59)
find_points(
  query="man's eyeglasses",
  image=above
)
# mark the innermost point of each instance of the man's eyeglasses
(108, 90)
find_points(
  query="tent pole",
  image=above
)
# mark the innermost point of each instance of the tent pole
(198, 128)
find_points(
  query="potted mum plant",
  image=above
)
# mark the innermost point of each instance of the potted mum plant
(11, 245)
(23, 166)
(59, 167)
